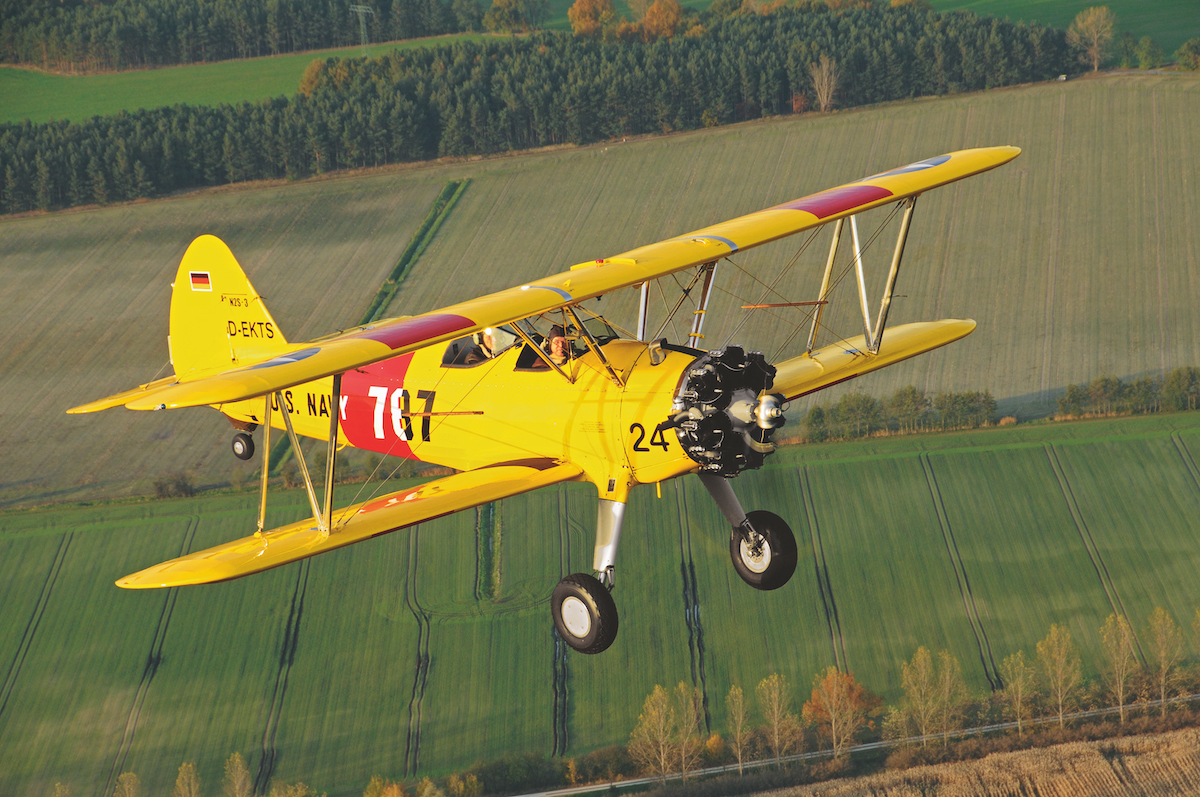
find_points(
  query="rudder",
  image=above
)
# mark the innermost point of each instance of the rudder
(218, 320)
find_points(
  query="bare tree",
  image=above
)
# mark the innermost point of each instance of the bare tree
(739, 732)
(651, 743)
(1166, 641)
(1092, 32)
(688, 712)
(187, 783)
(920, 692)
(237, 777)
(128, 785)
(951, 695)
(1117, 637)
(838, 707)
(1020, 683)
(775, 703)
(825, 76)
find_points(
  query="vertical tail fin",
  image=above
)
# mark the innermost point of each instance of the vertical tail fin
(218, 320)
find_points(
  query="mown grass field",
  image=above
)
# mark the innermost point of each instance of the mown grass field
(1077, 259)
(1169, 22)
(40, 97)
(379, 659)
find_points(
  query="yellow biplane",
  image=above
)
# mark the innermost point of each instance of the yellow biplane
(525, 388)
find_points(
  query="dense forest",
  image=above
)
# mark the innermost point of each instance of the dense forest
(82, 36)
(517, 93)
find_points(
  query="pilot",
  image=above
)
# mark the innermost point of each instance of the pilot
(484, 348)
(555, 346)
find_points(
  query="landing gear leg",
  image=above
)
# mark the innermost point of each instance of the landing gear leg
(762, 546)
(584, 611)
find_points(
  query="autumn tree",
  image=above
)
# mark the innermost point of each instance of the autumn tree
(689, 712)
(775, 702)
(589, 18)
(739, 728)
(839, 707)
(238, 782)
(825, 75)
(1060, 665)
(951, 695)
(187, 782)
(1188, 55)
(1116, 635)
(651, 745)
(1091, 32)
(128, 785)
(662, 19)
(919, 681)
(1166, 643)
(1020, 684)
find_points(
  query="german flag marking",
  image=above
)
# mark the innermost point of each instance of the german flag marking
(200, 281)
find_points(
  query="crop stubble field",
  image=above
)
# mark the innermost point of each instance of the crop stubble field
(311, 668)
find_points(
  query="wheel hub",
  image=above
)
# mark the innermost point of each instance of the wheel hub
(576, 617)
(756, 554)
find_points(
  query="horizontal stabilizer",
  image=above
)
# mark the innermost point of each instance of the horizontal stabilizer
(351, 524)
(849, 358)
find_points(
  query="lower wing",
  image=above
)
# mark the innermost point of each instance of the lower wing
(351, 524)
(850, 358)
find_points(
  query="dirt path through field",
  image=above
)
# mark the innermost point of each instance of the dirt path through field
(1167, 763)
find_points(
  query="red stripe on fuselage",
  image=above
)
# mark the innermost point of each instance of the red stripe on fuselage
(374, 398)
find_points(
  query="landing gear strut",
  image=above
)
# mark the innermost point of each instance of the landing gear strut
(761, 545)
(243, 446)
(584, 611)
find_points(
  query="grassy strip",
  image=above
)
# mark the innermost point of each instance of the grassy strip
(441, 208)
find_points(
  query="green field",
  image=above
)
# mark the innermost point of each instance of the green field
(1169, 22)
(40, 97)
(1078, 259)
(316, 668)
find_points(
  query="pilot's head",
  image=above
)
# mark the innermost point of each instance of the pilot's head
(557, 341)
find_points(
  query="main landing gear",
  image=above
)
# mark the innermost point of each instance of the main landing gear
(761, 545)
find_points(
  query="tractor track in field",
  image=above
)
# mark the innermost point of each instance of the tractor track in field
(1089, 543)
(836, 640)
(412, 741)
(691, 604)
(35, 620)
(287, 656)
(559, 672)
(1188, 461)
(1051, 267)
(153, 660)
(982, 642)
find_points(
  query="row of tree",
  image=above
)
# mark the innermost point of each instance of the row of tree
(494, 96)
(1094, 34)
(907, 410)
(936, 701)
(1108, 395)
(77, 36)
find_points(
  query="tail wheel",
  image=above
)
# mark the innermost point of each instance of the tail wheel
(243, 445)
(768, 558)
(585, 614)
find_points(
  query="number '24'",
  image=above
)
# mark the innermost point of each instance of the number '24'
(656, 439)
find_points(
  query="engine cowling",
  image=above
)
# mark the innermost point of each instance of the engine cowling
(723, 414)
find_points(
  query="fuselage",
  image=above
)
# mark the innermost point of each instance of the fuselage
(471, 416)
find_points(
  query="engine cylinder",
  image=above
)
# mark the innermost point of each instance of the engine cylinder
(723, 415)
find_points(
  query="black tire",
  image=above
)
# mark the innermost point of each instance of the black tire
(243, 445)
(775, 566)
(591, 614)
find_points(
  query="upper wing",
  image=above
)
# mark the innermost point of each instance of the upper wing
(351, 524)
(393, 337)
